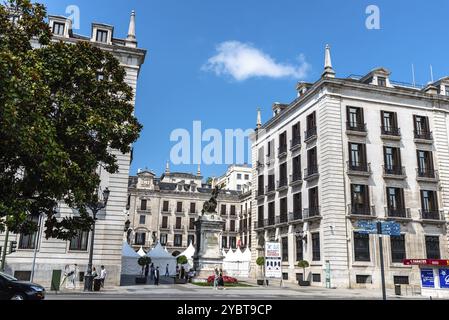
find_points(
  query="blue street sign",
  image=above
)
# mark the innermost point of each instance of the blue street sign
(427, 279)
(366, 227)
(444, 278)
(391, 228)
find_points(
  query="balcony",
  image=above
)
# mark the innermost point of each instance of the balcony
(295, 143)
(270, 222)
(295, 178)
(295, 216)
(398, 213)
(432, 216)
(260, 193)
(282, 185)
(270, 189)
(310, 134)
(258, 224)
(178, 228)
(223, 213)
(282, 151)
(426, 175)
(312, 213)
(357, 129)
(164, 227)
(361, 211)
(359, 169)
(392, 133)
(282, 219)
(311, 173)
(394, 172)
(423, 137)
(180, 212)
(166, 210)
(193, 212)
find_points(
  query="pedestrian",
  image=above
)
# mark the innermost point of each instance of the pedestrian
(221, 280)
(183, 272)
(94, 273)
(177, 271)
(147, 270)
(215, 279)
(103, 275)
(156, 276)
(152, 271)
(167, 274)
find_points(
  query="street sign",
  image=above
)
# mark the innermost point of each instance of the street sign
(389, 228)
(427, 278)
(366, 227)
(273, 260)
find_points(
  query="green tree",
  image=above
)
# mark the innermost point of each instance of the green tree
(59, 122)
(182, 260)
(143, 262)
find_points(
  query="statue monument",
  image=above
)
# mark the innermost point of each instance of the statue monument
(209, 228)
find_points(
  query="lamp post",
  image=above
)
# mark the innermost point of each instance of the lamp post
(94, 207)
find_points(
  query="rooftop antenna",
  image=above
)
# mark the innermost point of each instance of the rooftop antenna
(431, 73)
(413, 75)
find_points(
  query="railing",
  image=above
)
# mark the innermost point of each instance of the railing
(394, 170)
(295, 216)
(270, 221)
(180, 212)
(361, 210)
(164, 227)
(310, 171)
(359, 166)
(295, 142)
(310, 133)
(295, 177)
(281, 183)
(193, 211)
(355, 126)
(436, 215)
(258, 224)
(426, 173)
(260, 192)
(390, 131)
(166, 211)
(311, 212)
(283, 218)
(282, 150)
(270, 188)
(423, 135)
(223, 213)
(398, 212)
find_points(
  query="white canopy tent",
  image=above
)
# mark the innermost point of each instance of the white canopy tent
(160, 258)
(237, 264)
(188, 253)
(141, 252)
(129, 260)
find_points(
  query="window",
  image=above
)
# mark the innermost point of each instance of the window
(316, 277)
(271, 185)
(284, 275)
(389, 123)
(360, 200)
(260, 185)
(260, 216)
(363, 279)
(282, 143)
(192, 223)
(395, 202)
(165, 206)
(224, 241)
(239, 187)
(178, 240)
(421, 125)
(178, 223)
(79, 242)
(312, 159)
(270, 149)
(297, 206)
(361, 247)
(355, 119)
(397, 248)
(239, 176)
(400, 280)
(296, 134)
(142, 219)
(223, 209)
(299, 277)
(447, 90)
(191, 239)
(433, 247)
(232, 227)
(425, 164)
(246, 176)
(58, 28)
(284, 243)
(163, 239)
(164, 222)
(102, 36)
(313, 202)
(299, 249)
(296, 168)
(192, 207)
(316, 252)
(28, 241)
(179, 207)
(22, 275)
(283, 214)
(311, 125)
(143, 204)
(271, 213)
(357, 157)
(232, 210)
(429, 204)
(382, 81)
(392, 160)
(233, 242)
(140, 238)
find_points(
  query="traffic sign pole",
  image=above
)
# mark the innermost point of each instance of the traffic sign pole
(381, 253)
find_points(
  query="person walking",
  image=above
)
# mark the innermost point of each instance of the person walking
(152, 271)
(167, 273)
(156, 276)
(221, 280)
(103, 274)
(216, 279)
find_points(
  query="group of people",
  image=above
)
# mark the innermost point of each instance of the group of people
(218, 280)
(101, 277)
(71, 276)
(153, 272)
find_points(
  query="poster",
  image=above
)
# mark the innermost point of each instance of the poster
(427, 279)
(444, 278)
(273, 260)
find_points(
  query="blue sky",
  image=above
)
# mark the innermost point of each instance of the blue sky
(217, 61)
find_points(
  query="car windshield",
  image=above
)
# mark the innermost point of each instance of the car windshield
(7, 276)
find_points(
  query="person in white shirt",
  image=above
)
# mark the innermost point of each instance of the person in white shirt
(103, 275)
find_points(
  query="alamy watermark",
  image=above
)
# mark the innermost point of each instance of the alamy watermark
(74, 15)
(372, 22)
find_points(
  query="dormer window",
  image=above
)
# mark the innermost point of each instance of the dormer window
(447, 90)
(58, 28)
(382, 81)
(102, 36)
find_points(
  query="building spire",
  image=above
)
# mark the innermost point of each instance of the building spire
(259, 119)
(198, 173)
(131, 39)
(167, 168)
(328, 70)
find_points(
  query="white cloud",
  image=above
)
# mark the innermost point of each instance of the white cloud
(243, 61)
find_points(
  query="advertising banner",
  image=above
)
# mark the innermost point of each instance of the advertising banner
(273, 260)
(427, 279)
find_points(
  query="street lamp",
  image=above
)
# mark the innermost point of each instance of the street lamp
(94, 207)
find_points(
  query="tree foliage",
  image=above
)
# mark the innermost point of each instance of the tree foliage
(59, 122)
(182, 260)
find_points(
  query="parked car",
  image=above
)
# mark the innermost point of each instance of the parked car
(13, 289)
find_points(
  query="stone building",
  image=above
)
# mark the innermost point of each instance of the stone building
(165, 208)
(351, 149)
(54, 256)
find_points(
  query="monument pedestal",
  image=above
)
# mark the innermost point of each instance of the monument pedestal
(208, 255)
